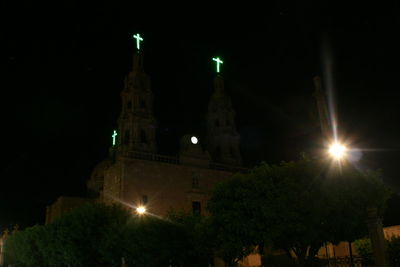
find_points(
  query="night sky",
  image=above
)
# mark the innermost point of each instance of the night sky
(63, 69)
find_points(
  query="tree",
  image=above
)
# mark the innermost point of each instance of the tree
(301, 208)
(153, 241)
(392, 216)
(22, 247)
(100, 235)
(87, 236)
(243, 214)
(294, 206)
(199, 236)
(364, 249)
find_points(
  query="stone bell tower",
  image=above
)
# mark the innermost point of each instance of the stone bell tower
(136, 123)
(222, 137)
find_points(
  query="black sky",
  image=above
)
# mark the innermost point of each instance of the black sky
(63, 68)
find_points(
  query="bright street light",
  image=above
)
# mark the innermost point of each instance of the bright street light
(140, 210)
(337, 151)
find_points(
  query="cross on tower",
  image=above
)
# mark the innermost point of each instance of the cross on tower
(219, 61)
(138, 39)
(114, 136)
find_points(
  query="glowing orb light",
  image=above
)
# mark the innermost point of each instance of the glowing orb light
(140, 210)
(337, 151)
(194, 140)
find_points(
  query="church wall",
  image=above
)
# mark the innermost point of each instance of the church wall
(164, 186)
(112, 183)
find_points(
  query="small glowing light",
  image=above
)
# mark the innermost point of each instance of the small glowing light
(140, 210)
(337, 151)
(114, 137)
(194, 140)
(138, 39)
(219, 61)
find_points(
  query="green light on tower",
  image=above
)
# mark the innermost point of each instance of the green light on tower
(114, 137)
(219, 61)
(138, 40)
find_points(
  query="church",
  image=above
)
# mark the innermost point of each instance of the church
(135, 175)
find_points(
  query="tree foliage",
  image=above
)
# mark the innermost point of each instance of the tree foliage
(364, 249)
(100, 235)
(294, 206)
(200, 237)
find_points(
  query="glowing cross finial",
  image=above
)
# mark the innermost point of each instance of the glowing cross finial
(138, 39)
(114, 137)
(219, 61)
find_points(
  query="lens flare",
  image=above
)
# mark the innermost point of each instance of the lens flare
(140, 210)
(337, 151)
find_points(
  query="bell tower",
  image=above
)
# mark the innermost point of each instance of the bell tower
(136, 123)
(223, 140)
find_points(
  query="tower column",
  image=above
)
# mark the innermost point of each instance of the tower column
(223, 140)
(136, 122)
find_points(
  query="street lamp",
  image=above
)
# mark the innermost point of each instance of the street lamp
(141, 210)
(337, 151)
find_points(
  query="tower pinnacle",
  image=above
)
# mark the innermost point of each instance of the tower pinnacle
(223, 140)
(136, 123)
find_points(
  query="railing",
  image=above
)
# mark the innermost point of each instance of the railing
(175, 160)
(153, 157)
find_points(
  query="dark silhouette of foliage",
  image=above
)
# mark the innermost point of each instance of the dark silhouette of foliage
(293, 206)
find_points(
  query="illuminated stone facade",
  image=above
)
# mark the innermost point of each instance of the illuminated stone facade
(160, 186)
(136, 175)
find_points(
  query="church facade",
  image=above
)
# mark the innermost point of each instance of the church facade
(136, 175)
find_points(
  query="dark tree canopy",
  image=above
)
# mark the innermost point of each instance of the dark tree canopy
(100, 235)
(294, 206)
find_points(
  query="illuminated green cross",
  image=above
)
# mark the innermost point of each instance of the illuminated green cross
(219, 61)
(138, 39)
(114, 136)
